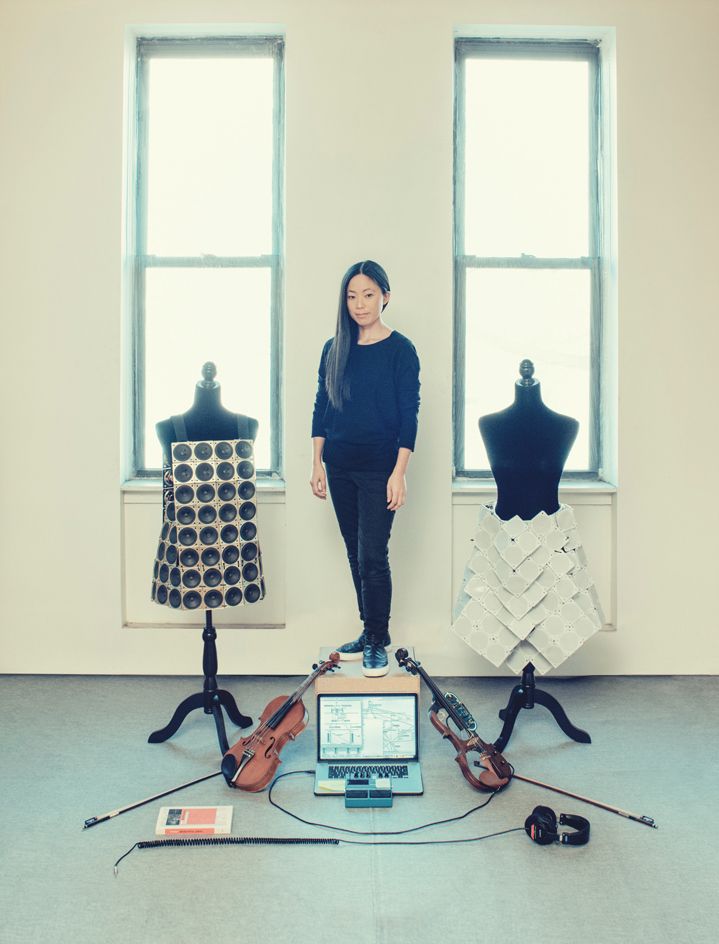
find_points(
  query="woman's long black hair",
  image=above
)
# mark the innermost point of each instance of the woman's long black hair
(347, 330)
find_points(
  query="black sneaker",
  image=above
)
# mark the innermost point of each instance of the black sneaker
(352, 651)
(374, 659)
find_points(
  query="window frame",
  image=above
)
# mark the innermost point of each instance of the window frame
(147, 47)
(589, 51)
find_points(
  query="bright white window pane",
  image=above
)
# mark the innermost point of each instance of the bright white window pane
(540, 314)
(198, 315)
(209, 186)
(526, 153)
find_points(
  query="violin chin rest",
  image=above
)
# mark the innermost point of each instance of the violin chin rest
(228, 768)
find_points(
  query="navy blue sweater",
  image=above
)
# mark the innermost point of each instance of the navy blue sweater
(380, 415)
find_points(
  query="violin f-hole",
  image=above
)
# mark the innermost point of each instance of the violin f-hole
(270, 747)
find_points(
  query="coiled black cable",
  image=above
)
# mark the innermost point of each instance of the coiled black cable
(228, 841)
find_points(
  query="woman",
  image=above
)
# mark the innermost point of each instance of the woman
(364, 426)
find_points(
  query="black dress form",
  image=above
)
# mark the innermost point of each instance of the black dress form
(528, 445)
(206, 419)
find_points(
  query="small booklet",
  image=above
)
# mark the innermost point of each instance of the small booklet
(197, 820)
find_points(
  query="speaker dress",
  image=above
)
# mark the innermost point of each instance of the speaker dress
(209, 551)
(527, 595)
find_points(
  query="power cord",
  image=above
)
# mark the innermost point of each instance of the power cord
(277, 841)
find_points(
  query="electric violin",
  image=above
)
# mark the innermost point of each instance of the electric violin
(496, 771)
(251, 763)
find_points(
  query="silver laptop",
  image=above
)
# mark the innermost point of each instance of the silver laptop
(362, 736)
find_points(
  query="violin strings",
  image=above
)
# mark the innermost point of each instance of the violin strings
(284, 708)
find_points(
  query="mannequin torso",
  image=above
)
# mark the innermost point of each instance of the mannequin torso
(206, 418)
(527, 445)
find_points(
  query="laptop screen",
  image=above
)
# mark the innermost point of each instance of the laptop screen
(367, 727)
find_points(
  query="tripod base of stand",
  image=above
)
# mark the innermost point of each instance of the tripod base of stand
(526, 695)
(213, 705)
(211, 699)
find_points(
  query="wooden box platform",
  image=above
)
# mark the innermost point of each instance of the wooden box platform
(349, 680)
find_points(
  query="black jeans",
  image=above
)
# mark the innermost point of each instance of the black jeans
(359, 497)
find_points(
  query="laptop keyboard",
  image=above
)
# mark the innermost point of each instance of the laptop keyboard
(371, 770)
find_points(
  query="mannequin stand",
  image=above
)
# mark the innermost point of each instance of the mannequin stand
(212, 699)
(525, 695)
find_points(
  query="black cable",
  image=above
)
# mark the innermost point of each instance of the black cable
(358, 832)
(229, 841)
(291, 841)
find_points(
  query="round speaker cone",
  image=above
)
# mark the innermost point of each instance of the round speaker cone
(204, 471)
(155, 569)
(247, 511)
(160, 550)
(245, 469)
(192, 600)
(173, 535)
(225, 471)
(229, 534)
(189, 557)
(191, 578)
(250, 572)
(186, 515)
(164, 573)
(212, 577)
(248, 531)
(213, 598)
(170, 511)
(165, 531)
(171, 555)
(205, 493)
(243, 449)
(252, 593)
(207, 514)
(182, 452)
(230, 555)
(175, 598)
(232, 575)
(203, 450)
(262, 586)
(223, 450)
(249, 551)
(228, 513)
(187, 536)
(208, 535)
(184, 494)
(162, 594)
(246, 490)
(175, 577)
(183, 473)
(226, 491)
(210, 556)
(233, 596)
(153, 591)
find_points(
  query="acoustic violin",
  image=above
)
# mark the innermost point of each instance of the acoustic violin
(496, 770)
(250, 764)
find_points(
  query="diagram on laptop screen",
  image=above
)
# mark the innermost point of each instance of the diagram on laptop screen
(359, 726)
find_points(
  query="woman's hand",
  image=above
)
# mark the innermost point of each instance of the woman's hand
(319, 481)
(396, 491)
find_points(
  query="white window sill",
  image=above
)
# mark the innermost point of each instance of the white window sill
(573, 491)
(147, 491)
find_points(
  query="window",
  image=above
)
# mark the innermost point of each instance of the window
(527, 237)
(204, 248)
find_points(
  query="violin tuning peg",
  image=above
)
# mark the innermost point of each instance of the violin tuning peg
(315, 666)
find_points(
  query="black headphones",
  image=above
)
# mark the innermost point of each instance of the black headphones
(541, 827)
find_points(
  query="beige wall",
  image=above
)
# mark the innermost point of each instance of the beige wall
(76, 547)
